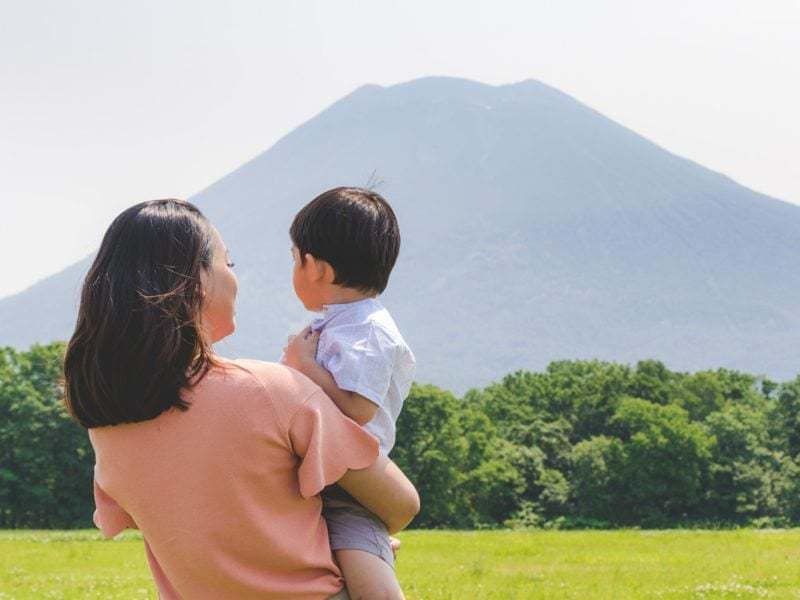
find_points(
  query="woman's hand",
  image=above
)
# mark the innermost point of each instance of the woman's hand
(301, 349)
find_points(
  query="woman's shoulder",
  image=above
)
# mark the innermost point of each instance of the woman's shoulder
(284, 387)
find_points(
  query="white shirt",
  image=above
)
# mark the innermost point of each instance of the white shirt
(362, 348)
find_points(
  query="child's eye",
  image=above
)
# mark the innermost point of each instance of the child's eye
(231, 265)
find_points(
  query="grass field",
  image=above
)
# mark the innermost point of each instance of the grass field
(460, 565)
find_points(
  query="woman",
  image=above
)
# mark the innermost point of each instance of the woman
(219, 463)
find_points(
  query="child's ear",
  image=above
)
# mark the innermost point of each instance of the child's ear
(319, 269)
(328, 274)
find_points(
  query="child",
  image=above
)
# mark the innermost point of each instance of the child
(345, 243)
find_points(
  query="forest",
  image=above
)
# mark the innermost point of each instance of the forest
(580, 445)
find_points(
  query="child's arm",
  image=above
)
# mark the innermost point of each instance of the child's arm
(353, 405)
(300, 354)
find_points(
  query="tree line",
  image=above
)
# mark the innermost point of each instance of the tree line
(581, 444)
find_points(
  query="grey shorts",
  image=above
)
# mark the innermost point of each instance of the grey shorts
(353, 527)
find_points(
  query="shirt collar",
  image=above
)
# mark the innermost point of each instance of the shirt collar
(331, 310)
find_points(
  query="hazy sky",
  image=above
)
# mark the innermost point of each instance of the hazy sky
(104, 104)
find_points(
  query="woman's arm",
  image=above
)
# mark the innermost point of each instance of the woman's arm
(385, 490)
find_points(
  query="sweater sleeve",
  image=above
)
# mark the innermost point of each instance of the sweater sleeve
(109, 516)
(328, 443)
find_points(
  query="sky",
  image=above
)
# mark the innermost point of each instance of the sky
(105, 104)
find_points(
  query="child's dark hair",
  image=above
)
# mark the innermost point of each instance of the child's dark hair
(355, 231)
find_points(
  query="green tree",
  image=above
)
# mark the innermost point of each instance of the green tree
(751, 475)
(665, 463)
(530, 447)
(586, 394)
(46, 461)
(701, 394)
(789, 414)
(653, 381)
(596, 467)
(431, 450)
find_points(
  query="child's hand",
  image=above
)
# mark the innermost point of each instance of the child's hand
(301, 349)
(395, 544)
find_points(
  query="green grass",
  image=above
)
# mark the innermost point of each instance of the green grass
(460, 565)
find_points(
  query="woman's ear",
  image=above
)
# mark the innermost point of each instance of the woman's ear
(204, 281)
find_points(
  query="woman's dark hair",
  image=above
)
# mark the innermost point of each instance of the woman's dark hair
(355, 231)
(137, 342)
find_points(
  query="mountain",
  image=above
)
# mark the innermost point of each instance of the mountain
(534, 229)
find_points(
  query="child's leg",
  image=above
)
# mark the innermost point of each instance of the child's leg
(367, 576)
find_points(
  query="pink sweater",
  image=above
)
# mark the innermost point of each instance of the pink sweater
(226, 493)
